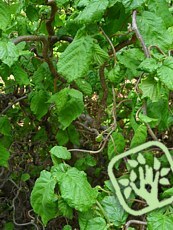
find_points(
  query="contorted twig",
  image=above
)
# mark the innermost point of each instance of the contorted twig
(134, 222)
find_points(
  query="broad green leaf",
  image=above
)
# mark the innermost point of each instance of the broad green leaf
(20, 75)
(4, 156)
(167, 193)
(62, 137)
(65, 209)
(150, 24)
(84, 218)
(60, 3)
(32, 13)
(73, 135)
(75, 60)
(96, 223)
(85, 162)
(132, 4)
(60, 99)
(131, 59)
(160, 111)
(93, 11)
(5, 17)
(114, 211)
(67, 227)
(5, 126)
(116, 145)
(39, 105)
(151, 89)
(100, 56)
(139, 137)
(59, 152)
(149, 65)
(76, 190)
(165, 72)
(161, 8)
(146, 119)
(43, 198)
(84, 86)
(8, 53)
(114, 75)
(159, 221)
(72, 109)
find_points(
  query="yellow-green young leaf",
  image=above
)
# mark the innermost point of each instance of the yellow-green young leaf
(20, 75)
(5, 17)
(139, 137)
(8, 53)
(43, 198)
(39, 105)
(76, 190)
(93, 11)
(4, 156)
(74, 62)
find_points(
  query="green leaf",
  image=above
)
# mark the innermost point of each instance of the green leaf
(146, 119)
(114, 211)
(132, 4)
(25, 177)
(64, 209)
(20, 75)
(150, 24)
(151, 89)
(100, 56)
(4, 156)
(76, 190)
(62, 137)
(159, 221)
(67, 227)
(149, 65)
(60, 3)
(39, 105)
(114, 75)
(84, 86)
(139, 137)
(73, 135)
(167, 193)
(32, 13)
(8, 53)
(165, 72)
(93, 11)
(75, 60)
(96, 223)
(116, 146)
(43, 198)
(5, 17)
(5, 126)
(74, 104)
(59, 152)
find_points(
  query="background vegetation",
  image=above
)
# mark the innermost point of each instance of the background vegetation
(81, 81)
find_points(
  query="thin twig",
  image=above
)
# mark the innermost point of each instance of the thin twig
(138, 35)
(111, 44)
(13, 103)
(134, 222)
